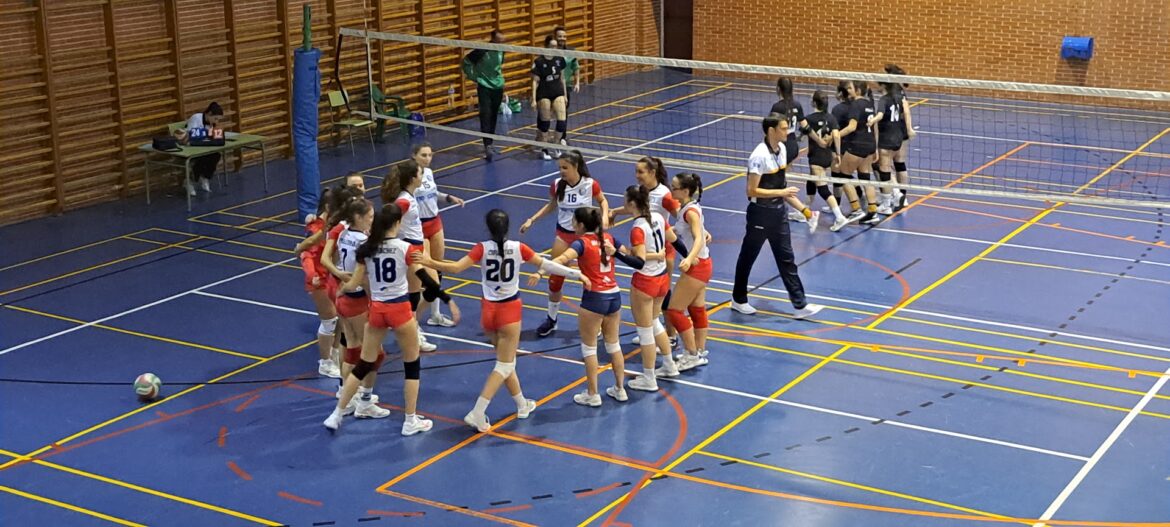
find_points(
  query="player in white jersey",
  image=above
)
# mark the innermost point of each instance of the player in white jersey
(649, 238)
(690, 292)
(574, 190)
(398, 189)
(382, 271)
(499, 260)
(430, 199)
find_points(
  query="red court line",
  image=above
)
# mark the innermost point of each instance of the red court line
(897, 276)
(1049, 225)
(298, 499)
(222, 439)
(239, 471)
(611, 520)
(514, 508)
(601, 490)
(160, 413)
(452, 508)
(396, 514)
(245, 404)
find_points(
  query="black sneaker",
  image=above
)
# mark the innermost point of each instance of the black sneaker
(546, 328)
(901, 202)
(488, 152)
(870, 219)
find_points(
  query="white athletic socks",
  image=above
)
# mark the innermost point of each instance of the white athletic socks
(521, 402)
(553, 308)
(481, 405)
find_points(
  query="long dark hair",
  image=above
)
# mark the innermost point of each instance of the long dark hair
(398, 179)
(640, 198)
(213, 109)
(574, 158)
(353, 209)
(692, 183)
(820, 101)
(659, 168)
(784, 89)
(843, 90)
(590, 219)
(497, 224)
(894, 69)
(323, 202)
(339, 197)
(384, 220)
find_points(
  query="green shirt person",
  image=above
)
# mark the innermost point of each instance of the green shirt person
(572, 68)
(485, 67)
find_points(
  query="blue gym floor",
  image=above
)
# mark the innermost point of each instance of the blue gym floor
(978, 361)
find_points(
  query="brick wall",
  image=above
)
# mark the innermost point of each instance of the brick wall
(978, 39)
(628, 27)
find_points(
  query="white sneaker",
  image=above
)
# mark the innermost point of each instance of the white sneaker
(796, 215)
(667, 370)
(839, 224)
(190, 187)
(744, 308)
(369, 410)
(478, 422)
(545, 155)
(885, 205)
(333, 422)
(529, 407)
(440, 320)
(855, 216)
(585, 399)
(328, 368)
(350, 408)
(617, 392)
(335, 355)
(826, 209)
(694, 361)
(424, 346)
(807, 311)
(813, 221)
(415, 425)
(643, 383)
(205, 184)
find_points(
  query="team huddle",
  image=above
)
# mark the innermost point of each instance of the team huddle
(371, 272)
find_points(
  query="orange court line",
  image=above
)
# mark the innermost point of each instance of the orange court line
(239, 471)
(451, 508)
(298, 499)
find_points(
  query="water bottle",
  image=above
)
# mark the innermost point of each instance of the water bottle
(451, 96)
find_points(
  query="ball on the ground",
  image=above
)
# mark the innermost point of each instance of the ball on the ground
(147, 386)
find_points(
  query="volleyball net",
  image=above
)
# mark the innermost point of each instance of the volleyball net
(1003, 140)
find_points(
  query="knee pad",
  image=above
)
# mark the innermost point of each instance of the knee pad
(555, 283)
(810, 187)
(837, 186)
(899, 167)
(362, 369)
(645, 336)
(562, 126)
(823, 190)
(415, 298)
(542, 125)
(588, 351)
(411, 369)
(883, 176)
(327, 327)
(505, 369)
(678, 320)
(658, 327)
(352, 356)
(381, 359)
(430, 294)
(699, 315)
(864, 176)
(614, 347)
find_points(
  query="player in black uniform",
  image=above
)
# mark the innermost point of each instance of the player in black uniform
(840, 113)
(908, 133)
(788, 107)
(890, 140)
(823, 142)
(860, 154)
(548, 95)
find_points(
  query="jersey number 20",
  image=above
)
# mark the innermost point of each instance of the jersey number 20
(501, 270)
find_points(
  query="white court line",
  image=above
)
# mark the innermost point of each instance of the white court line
(555, 172)
(144, 306)
(1102, 450)
(1017, 246)
(617, 195)
(883, 307)
(708, 387)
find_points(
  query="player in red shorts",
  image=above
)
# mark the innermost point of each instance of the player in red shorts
(381, 270)
(429, 197)
(690, 293)
(499, 259)
(574, 190)
(398, 189)
(601, 302)
(649, 238)
(316, 279)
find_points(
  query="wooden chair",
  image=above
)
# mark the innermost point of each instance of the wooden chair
(337, 104)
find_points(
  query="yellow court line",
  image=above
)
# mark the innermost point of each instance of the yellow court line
(452, 147)
(1074, 270)
(146, 407)
(67, 251)
(228, 255)
(258, 231)
(146, 490)
(857, 486)
(66, 506)
(98, 266)
(135, 333)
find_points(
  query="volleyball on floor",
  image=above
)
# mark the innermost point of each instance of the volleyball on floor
(147, 386)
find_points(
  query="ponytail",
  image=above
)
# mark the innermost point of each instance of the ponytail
(497, 224)
(640, 198)
(384, 220)
(573, 157)
(692, 183)
(659, 169)
(398, 179)
(353, 209)
(590, 219)
(784, 88)
(339, 197)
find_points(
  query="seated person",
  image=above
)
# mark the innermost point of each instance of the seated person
(203, 166)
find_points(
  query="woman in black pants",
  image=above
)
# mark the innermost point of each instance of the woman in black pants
(767, 191)
(202, 166)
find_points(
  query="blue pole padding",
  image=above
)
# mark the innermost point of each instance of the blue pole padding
(306, 93)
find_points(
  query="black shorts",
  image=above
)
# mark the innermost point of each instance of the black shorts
(550, 93)
(821, 158)
(891, 141)
(861, 150)
(791, 148)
